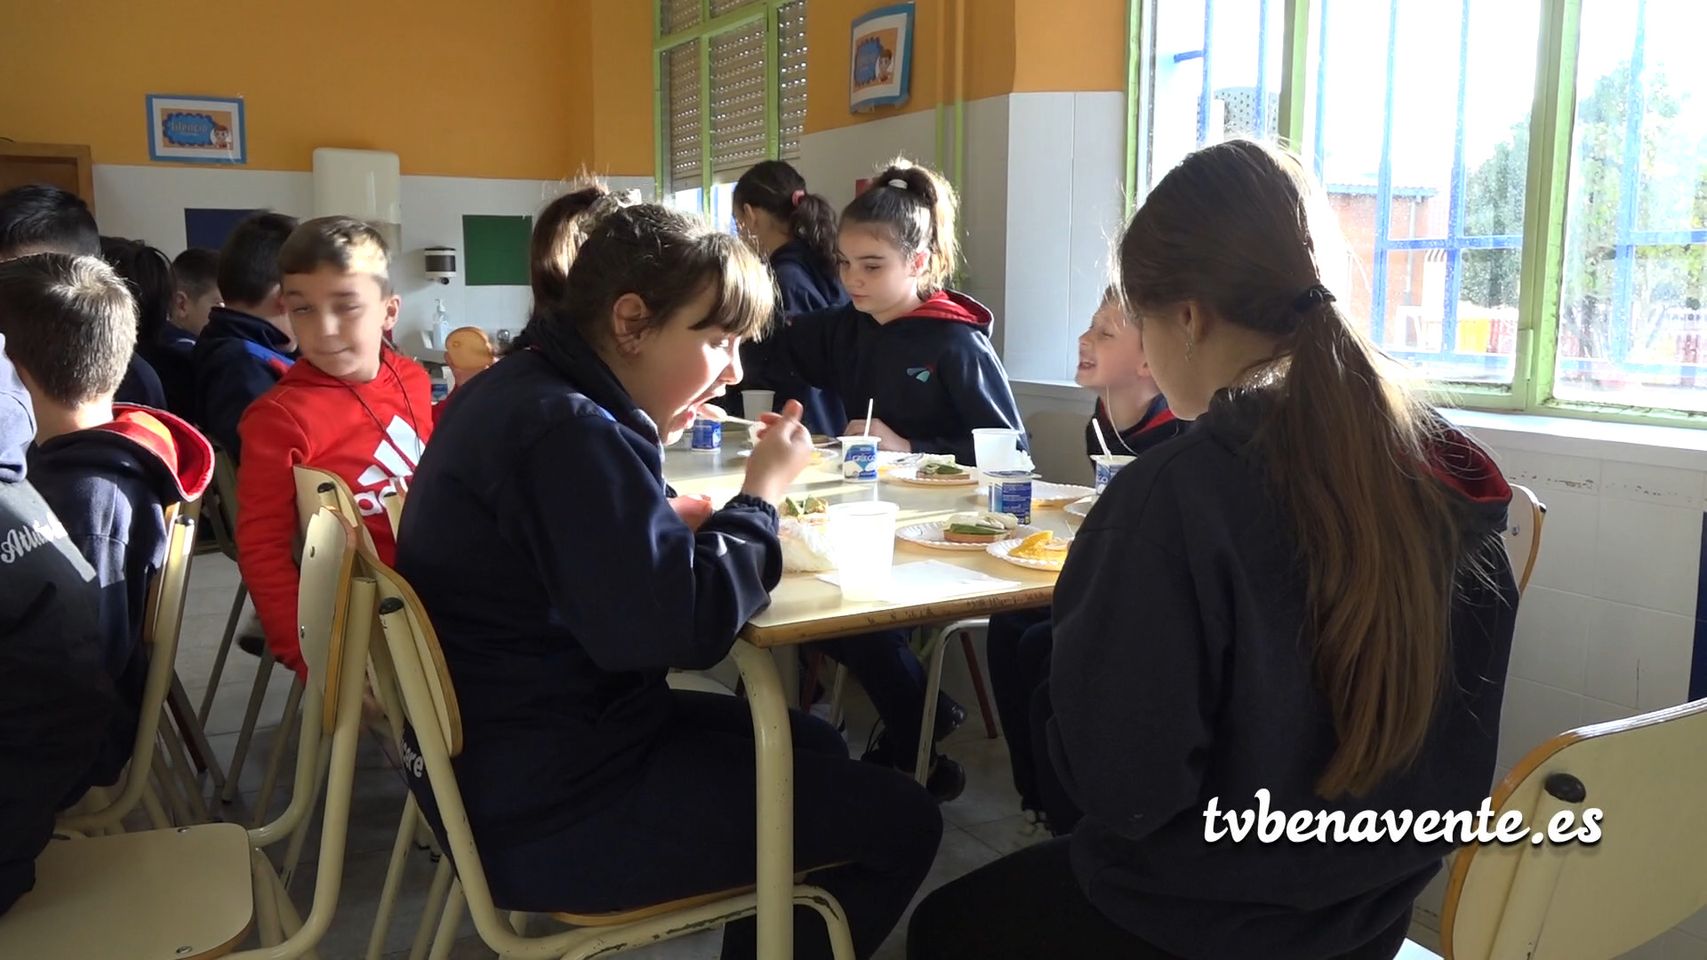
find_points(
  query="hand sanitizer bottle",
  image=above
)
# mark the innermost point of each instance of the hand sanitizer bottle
(441, 325)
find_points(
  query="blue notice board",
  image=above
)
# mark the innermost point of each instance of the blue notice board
(208, 227)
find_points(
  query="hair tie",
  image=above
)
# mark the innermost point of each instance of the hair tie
(898, 183)
(795, 198)
(1312, 298)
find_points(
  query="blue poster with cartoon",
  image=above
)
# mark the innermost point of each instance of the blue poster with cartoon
(882, 57)
(184, 129)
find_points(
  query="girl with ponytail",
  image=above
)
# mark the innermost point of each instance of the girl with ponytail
(1327, 615)
(920, 354)
(795, 230)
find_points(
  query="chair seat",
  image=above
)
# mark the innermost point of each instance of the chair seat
(686, 903)
(1415, 951)
(175, 894)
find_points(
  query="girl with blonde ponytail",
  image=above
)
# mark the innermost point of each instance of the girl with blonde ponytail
(1327, 614)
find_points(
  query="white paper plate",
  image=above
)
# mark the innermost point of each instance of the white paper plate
(1045, 493)
(1003, 550)
(931, 535)
(1081, 508)
(910, 474)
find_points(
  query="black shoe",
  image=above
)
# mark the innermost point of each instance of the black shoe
(252, 644)
(947, 779)
(949, 717)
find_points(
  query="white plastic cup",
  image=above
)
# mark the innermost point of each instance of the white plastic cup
(862, 543)
(997, 449)
(757, 402)
(859, 458)
(1107, 465)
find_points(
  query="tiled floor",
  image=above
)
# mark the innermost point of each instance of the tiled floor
(978, 827)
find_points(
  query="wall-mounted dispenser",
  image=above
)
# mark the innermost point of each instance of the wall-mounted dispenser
(439, 263)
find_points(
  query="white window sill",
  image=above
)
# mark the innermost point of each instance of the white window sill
(1645, 443)
(1651, 444)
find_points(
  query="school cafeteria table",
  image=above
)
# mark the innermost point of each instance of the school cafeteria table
(804, 609)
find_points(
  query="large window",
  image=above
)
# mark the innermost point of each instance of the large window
(1435, 126)
(731, 91)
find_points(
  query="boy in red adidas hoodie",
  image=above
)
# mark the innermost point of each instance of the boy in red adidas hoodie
(350, 406)
(107, 469)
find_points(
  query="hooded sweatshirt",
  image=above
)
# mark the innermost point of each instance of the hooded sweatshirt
(238, 357)
(932, 374)
(110, 485)
(562, 587)
(1208, 691)
(369, 434)
(803, 285)
(1158, 425)
(170, 353)
(141, 384)
(55, 698)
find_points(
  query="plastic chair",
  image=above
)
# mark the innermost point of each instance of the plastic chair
(410, 666)
(1580, 901)
(197, 891)
(163, 616)
(1522, 534)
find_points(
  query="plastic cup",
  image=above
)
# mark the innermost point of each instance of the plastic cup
(862, 543)
(997, 449)
(859, 458)
(1107, 465)
(757, 402)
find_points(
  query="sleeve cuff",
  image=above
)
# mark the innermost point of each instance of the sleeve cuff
(744, 501)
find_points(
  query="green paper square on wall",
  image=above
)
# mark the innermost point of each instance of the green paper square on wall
(496, 249)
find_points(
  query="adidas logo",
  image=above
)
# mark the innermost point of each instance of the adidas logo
(395, 458)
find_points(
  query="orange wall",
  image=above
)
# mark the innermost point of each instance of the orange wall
(454, 88)
(1012, 46)
(621, 72)
(1070, 45)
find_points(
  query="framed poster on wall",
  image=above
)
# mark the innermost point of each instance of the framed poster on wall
(184, 129)
(882, 58)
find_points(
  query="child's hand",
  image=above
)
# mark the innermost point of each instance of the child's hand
(783, 450)
(887, 439)
(694, 509)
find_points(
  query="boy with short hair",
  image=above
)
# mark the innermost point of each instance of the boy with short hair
(37, 218)
(55, 698)
(247, 344)
(107, 469)
(350, 406)
(196, 273)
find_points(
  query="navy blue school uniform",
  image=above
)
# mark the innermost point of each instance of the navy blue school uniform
(804, 284)
(55, 697)
(562, 587)
(238, 357)
(1214, 697)
(1018, 645)
(109, 486)
(141, 384)
(933, 374)
(169, 353)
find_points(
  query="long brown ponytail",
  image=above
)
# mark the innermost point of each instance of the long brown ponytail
(1235, 228)
(778, 189)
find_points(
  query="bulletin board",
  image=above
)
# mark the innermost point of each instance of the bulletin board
(209, 226)
(496, 250)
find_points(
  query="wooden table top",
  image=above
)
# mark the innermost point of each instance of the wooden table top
(804, 608)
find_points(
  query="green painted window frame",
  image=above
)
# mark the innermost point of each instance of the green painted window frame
(1542, 271)
(707, 28)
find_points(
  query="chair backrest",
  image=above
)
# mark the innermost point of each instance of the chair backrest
(335, 613)
(1582, 900)
(310, 497)
(1522, 534)
(392, 500)
(223, 517)
(414, 662)
(163, 616)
